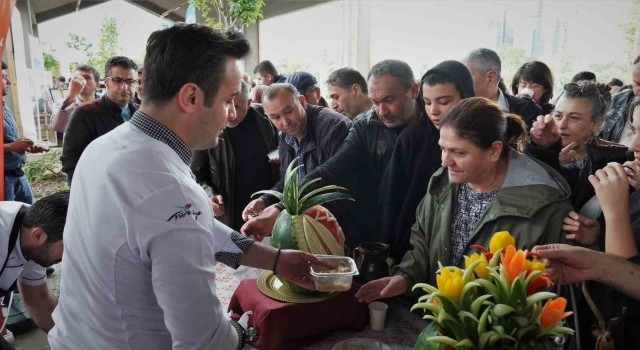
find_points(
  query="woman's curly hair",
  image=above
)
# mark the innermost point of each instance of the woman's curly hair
(596, 93)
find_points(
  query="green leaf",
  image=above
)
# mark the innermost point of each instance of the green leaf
(557, 330)
(426, 287)
(427, 306)
(309, 183)
(488, 286)
(319, 190)
(523, 331)
(468, 273)
(484, 338)
(465, 343)
(467, 315)
(444, 340)
(518, 293)
(532, 275)
(477, 304)
(501, 310)
(540, 296)
(521, 321)
(323, 198)
(495, 259)
(273, 193)
(482, 323)
(467, 288)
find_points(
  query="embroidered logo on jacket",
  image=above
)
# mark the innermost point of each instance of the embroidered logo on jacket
(184, 211)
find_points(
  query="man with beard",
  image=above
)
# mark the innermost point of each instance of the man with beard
(30, 241)
(96, 118)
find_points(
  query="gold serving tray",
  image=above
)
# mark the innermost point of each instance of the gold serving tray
(271, 286)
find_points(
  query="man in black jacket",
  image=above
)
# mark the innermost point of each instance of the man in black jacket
(485, 66)
(238, 166)
(617, 122)
(93, 119)
(364, 155)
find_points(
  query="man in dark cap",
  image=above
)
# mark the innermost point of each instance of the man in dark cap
(307, 86)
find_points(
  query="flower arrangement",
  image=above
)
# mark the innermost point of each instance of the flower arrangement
(496, 302)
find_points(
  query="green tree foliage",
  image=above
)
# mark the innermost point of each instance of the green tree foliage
(51, 64)
(630, 28)
(229, 14)
(107, 44)
(512, 58)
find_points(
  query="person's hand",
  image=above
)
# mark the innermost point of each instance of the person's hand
(254, 208)
(544, 131)
(75, 87)
(568, 154)
(633, 173)
(569, 264)
(581, 229)
(275, 161)
(261, 226)
(385, 287)
(294, 265)
(217, 202)
(19, 145)
(612, 189)
(36, 148)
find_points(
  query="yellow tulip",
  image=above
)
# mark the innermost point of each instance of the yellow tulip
(501, 239)
(450, 283)
(481, 269)
(534, 265)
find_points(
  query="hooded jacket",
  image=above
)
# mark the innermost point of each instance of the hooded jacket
(415, 158)
(536, 220)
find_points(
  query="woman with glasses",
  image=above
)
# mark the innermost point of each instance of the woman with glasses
(534, 80)
(485, 185)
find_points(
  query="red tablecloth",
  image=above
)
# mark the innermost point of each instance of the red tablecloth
(293, 326)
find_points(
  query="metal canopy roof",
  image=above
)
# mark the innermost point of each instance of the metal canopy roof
(45, 10)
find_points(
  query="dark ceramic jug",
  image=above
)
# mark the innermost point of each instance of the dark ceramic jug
(371, 259)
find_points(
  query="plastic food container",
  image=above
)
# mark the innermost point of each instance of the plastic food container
(336, 279)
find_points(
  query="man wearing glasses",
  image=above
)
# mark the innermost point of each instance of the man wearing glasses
(96, 118)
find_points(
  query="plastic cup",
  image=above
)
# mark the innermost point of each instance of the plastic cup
(526, 92)
(377, 315)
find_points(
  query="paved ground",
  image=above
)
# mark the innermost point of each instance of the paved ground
(37, 339)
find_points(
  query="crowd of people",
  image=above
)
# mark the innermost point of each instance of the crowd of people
(163, 166)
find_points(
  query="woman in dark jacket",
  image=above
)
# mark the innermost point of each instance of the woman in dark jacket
(573, 149)
(416, 155)
(534, 80)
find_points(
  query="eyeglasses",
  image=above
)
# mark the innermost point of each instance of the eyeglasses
(119, 81)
